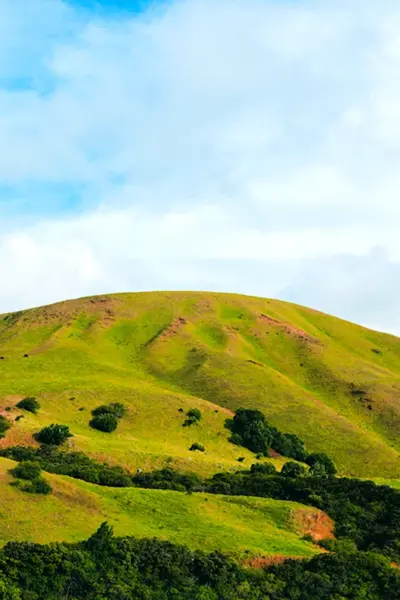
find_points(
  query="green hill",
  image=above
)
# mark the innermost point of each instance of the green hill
(242, 527)
(335, 384)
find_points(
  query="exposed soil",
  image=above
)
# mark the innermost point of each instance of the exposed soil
(289, 329)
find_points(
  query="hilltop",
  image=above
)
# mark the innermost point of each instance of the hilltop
(333, 383)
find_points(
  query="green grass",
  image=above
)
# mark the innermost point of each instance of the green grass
(158, 352)
(242, 527)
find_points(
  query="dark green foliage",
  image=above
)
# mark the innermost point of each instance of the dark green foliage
(292, 469)
(168, 479)
(197, 446)
(251, 430)
(36, 486)
(105, 422)
(115, 408)
(54, 435)
(28, 469)
(321, 465)
(193, 416)
(362, 511)
(264, 468)
(73, 464)
(108, 568)
(19, 418)
(4, 426)
(30, 404)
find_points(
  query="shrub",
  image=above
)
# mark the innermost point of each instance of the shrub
(197, 446)
(4, 426)
(263, 468)
(241, 459)
(105, 422)
(28, 469)
(53, 435)
(116, 409)
(37, 486)
(292, 469)
(321, 465)
(193, 416)
(30, 404)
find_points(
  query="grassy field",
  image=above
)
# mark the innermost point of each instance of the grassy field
(335, 384)
(242, 527)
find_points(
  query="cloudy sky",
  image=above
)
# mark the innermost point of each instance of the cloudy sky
(247, 146)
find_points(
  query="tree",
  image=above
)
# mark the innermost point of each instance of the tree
(321, 465)
(263, 468)
(292, 469)
(105, 422)
(115, 408)
(28, 469)
(30, 404)
(197, 446)
(53, 435)
(4, 426)
(193, 416)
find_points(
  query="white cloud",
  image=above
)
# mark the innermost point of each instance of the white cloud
(246, 146)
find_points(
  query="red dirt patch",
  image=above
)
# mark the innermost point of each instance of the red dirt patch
(289, 329)
(315, 523)
(173, 328)
(259, 562)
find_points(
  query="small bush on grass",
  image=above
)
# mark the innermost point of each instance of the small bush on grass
(4, 426)
(105, 422)
(193, 416)
(36, 486)
(30, 404)
(115, 408)
(197, 446)
(53, 435)
(292, 469)
(28, 470)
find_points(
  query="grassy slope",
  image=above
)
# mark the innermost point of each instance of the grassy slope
(238, 526)
(158, 352)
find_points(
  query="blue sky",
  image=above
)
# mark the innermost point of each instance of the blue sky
(247, 146)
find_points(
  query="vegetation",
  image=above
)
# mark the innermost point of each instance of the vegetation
(116, 409)
(110, 568)
(28, 469)
(292, 469)
(4, 426)
(197, 446)
(251, 430)
(321, 465)
(193, 416)
(53, 435)
(30, 404)
(106, 422)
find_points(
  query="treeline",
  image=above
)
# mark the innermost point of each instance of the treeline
(109, 568)
(363, 512)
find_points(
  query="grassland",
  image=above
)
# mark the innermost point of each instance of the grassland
(242, 527)
(335, 384)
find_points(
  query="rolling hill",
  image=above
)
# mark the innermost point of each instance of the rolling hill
(241, 527)
(335, 384)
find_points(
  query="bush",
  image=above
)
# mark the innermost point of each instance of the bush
(292, 469)
(321, 465)
(30, 404)
(116, 408)
(4, 426)
(28, 469)
(53, 435)
(197, 446)
(263, 468)
(105, 422)
(37, 486)
(193, 416)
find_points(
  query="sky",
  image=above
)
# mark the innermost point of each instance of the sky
(248, 146)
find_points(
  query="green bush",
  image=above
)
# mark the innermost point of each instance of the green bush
(30, 404)
(321, 465)
(53, 435)
(197, 446)
(37, 486)
(28, 469)
(193, 416)
(116, 408)
(292, 469)
(4, 426)
(263, 468)
(105, 422)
